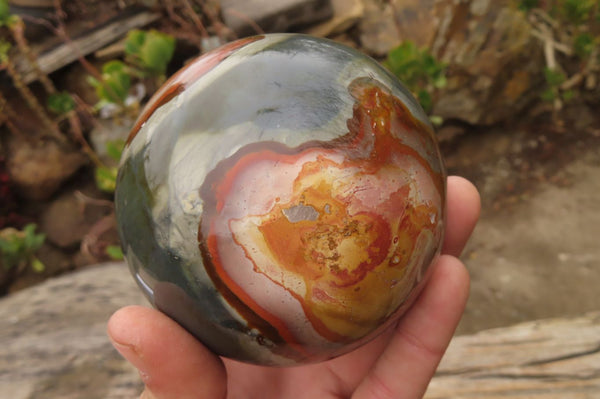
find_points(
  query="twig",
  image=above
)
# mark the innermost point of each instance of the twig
(563, 48)
(33, 102)
(194, 16)
(78, 135)
(6, 113)
(93, 236)
(220, 28)
(247, 20)
(17, 30)
(538, 12)
(85, 199)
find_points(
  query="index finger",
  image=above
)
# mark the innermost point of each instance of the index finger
(463, 208)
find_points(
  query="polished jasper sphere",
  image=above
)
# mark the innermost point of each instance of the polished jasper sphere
(282, 198)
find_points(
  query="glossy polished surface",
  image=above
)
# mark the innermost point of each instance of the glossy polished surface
(282, 198)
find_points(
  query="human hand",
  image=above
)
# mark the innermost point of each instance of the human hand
(398, 364)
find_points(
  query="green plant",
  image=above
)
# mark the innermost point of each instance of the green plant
(554, 79)
(569, 31)
(418, 70)
(18, 247)
(6, 18)
(584, 44)
(577, 11)
(147, 54)
(150, 51)
(60, 103)
(114, 252)
(106, 176)
(527, 5)
(115, 84)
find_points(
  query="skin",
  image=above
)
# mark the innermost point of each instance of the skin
(398, 364)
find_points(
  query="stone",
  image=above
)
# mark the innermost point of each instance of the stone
(39, 167)
(494, 63)
(68, 219)
(378, 30)
(292, 179)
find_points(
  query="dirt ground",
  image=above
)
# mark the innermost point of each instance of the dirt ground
(536, 250)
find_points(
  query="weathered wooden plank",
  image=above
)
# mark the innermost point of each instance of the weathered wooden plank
(273, 16)
(87, 43)
(549, 359)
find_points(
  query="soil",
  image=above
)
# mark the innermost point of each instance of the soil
(535, 252)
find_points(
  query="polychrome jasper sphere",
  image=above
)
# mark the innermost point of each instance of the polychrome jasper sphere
(282, 198)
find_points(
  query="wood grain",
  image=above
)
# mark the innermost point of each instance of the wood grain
(84, 44)
(549, 359)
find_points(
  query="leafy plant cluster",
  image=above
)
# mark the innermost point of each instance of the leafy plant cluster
(570, 32)
(18, 248)
(147, 55)
(419, 71)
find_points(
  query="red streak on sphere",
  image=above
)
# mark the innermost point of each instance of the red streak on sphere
(348, 237)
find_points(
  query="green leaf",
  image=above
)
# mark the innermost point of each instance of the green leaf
(61, 103)
(577, 11)
(115, 84)
(134, 42)
(554, 77)
(32, 241)
(106, 178)
(418, 70)
(37, 265)
(18, 246)
(436, 120)
(584, 44)
(115, 252)
(4, 12)
(568, 95)
(527, 5)
(114, 149)
(4, 50)
(151, 51)
(440, 82)
(425, 100)
(548, 95)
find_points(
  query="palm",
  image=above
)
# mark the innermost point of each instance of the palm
(333, 379)
(399, 363)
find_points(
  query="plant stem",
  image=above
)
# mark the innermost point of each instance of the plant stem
(17, 30)
(75, 123)
(6, 113)
(33, 102)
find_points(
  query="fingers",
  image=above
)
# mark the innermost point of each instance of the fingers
(464, 206)
(408, 363)
(172, 363)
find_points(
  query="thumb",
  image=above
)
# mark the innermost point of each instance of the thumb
(171, 362)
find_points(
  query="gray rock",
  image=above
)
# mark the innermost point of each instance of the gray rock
(54, 342)
(495, 64)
